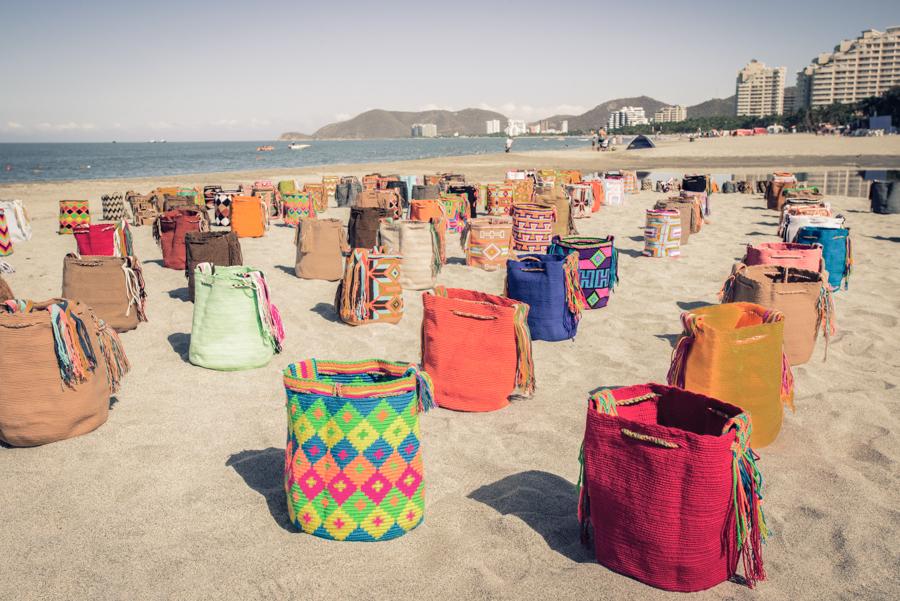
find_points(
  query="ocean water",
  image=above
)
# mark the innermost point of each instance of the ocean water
(51, 162)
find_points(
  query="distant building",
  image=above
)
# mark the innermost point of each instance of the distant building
(760, 90)
(857, 69)
(424, 130)
(534, 128)
(492, 126)
(626, 116)
(790, 100)
(670, 114)
(565, 126)
(515, 127)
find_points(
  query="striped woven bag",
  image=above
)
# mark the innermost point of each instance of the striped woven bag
(670, 487)
(353, 459)
(662, 234)
(735, 352)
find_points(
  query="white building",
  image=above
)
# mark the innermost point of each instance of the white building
(515, 127)
(492, 126)
(565, 126)
(670, 114)
(627, 115)
(857, 69)
(760, 90)
(424, 130)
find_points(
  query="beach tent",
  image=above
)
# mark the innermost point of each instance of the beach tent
(639, 142)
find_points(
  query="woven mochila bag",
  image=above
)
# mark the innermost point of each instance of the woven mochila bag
(564, 224)
(799, 256)
(598, 266)
(330, 182)
(297, 206)
(72, 214)
(837, 252)
(802, 296)
(248, 216)
(209, 195)
(809, 209)
(60, 365)
(17, 220)
(685, 212)
(548, 284)
(614, 190)
(662, 234)
(287, 186)
(370, 290)
(433, 212)
(112, 286)
(6, 292)
(219, 248)
(774, 189)
(794, 223)
(113, 207)
(169, 231)
(318, 196)
(6, 243)
(417, 242)
(532, 229)
(523, 190)
(353, 465)
(321, 245)
(486, 242)
(581, 197)
(347, 191)
(456, 211)
(735, 352)
(105, 239)
(236, 325)
(425, 192)
(499, 198)
(362, 229)
(670, 487)
(477, 349)
(265, 190)
(699, 197)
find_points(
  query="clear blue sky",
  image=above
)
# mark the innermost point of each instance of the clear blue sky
(224, 70)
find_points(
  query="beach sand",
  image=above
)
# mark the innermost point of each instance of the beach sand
(180, 494)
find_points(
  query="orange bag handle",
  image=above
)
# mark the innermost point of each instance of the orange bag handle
(474, 315)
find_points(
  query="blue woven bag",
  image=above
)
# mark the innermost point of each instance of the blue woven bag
(837, 252)
(549, 285)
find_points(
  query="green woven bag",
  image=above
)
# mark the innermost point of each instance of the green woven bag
(235, 324)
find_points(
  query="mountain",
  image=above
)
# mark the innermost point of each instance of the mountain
(396, 124)
(716, 107)
(598, 116)
(294, 135)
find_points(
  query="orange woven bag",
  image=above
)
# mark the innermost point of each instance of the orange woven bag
(248, 216)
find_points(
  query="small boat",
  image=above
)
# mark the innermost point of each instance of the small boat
(265, 148)
(297, 146)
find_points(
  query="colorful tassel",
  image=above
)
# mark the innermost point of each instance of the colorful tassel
(574, 294)
(113, 353)
(691, 324)
(826, 315)
(424, 388)
(525, 376)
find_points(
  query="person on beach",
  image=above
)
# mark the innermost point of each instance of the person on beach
(593, 140)
(601, 139)
(509, 142)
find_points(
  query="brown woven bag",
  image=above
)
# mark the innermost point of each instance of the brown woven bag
(6, 292)
(556, 198)
(802, 296)
(112, 286)
(321, 244)
(685, 211)
(37, 406)
(219, 248)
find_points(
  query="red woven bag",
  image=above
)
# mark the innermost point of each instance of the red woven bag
(476, 347)
(670, 487)
(169, 231)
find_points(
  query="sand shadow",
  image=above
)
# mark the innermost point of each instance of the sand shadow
(672, 339)
(113, 401)
(154, 262)
(756, 208)
(767, 223)
(182, 294)
(759, 234)
(181, 344)
(885, 238)
(327, 311)
(691, 305)
(546, 503)
(288, 269)
(456, 261)
(636, 238)
(629, 252)
(263, 471)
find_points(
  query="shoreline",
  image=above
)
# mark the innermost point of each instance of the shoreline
(766, 153)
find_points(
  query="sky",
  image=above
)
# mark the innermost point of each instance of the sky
(95, 70)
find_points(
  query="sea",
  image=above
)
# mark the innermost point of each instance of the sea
(39, 162)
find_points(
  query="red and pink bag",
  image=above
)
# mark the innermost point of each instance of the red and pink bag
(786, 254)
(670, 487)
(104, 239)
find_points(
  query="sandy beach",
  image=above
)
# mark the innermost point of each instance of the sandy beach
(180, 494)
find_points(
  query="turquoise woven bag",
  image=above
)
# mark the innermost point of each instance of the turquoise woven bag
(235, 325)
